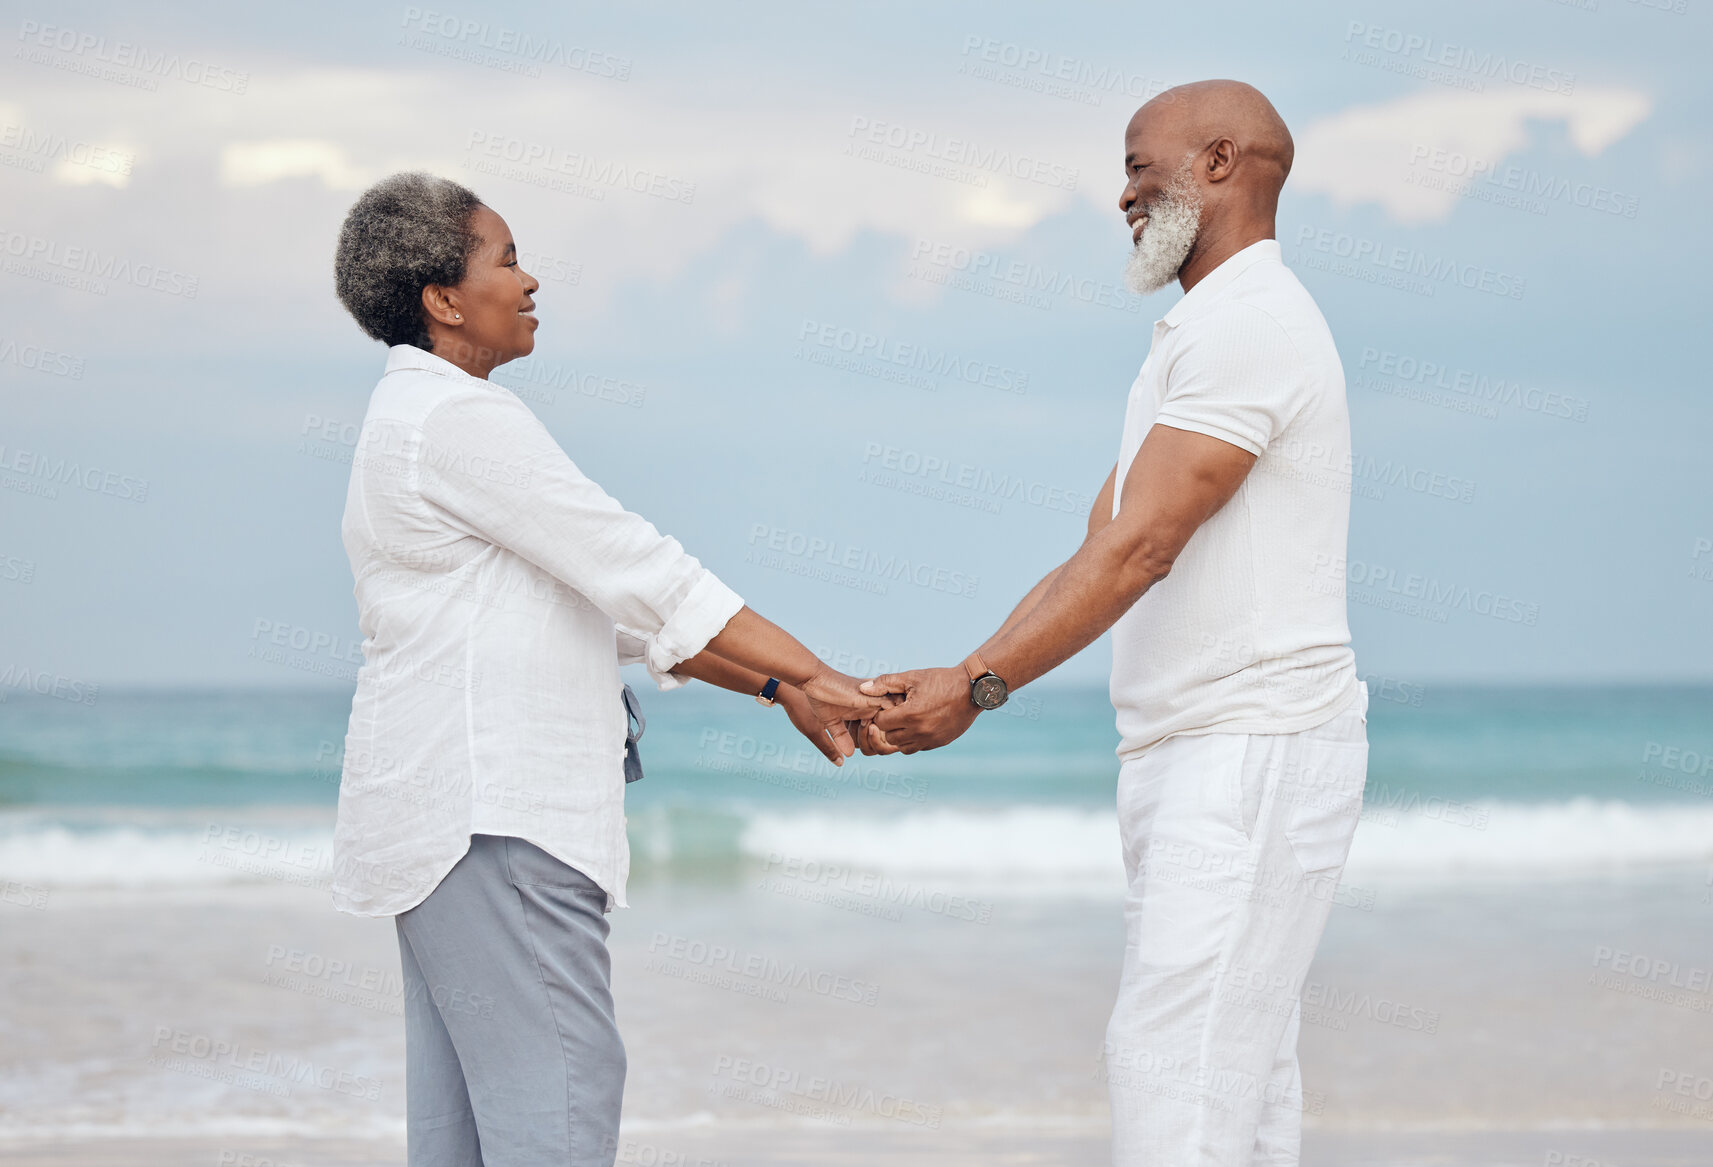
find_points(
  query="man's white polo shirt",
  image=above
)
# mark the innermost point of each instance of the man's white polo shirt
(1248, 633)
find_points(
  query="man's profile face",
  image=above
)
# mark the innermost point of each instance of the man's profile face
(1153, 157)
(1161, 202)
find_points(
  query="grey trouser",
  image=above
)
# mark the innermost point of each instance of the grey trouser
(512, 1053)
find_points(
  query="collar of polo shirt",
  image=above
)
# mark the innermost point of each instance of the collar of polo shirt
(1217, 280)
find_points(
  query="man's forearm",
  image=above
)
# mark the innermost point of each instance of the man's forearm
(1079, 601)
(1024, 607)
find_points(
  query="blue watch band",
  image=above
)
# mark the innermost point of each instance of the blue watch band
(768, 690)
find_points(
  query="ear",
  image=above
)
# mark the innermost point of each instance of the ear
(1221, 159)
(440, 303)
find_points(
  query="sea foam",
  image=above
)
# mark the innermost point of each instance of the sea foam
(1024, 847)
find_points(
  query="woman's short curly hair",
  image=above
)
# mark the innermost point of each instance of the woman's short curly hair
(404, 233)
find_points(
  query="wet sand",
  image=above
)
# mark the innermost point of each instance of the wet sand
(949, 1149)
(993, 1029)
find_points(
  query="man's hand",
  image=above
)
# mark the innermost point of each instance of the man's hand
(936, 710)
(833, 701)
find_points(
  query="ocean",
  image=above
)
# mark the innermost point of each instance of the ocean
(1518, 964)
(1520, 780)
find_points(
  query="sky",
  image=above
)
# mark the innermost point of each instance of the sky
(831, 284)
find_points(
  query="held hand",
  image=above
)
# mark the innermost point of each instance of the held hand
(802, 714)
(936, 710)
(835, 700)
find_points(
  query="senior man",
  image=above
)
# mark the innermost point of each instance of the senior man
(1243, 724)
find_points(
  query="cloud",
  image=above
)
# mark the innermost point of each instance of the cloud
(583, 167)
(30, 145)
(1370, 153)
(255, 163)
(109, 166)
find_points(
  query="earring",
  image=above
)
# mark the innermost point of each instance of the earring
(455, 316)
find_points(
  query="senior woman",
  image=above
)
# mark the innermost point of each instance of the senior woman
(499, 590)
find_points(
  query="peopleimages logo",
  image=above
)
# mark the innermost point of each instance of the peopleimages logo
(888, 351)
(86, 268)
(771, 546)
(33, 473)
(529, 47)
(194, 1050)
(1481, 63)
(536, 380)
(542, 159)
(718, 957)
(1021, 281)
(1698, 570)
(1462, 172)
(92, 54)
(980, 481)
(827, 1096)
(1679, 759)
(1406, 369)
(40, 360)
(15, 570)
(1367, 257)
(45, 684)
(1387, 583)
(1050, 73)
(37, 147)
(956, 151)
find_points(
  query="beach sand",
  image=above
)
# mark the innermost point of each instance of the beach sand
(794, 1149)
(117, 1003)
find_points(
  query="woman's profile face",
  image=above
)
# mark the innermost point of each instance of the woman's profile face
(498, 315)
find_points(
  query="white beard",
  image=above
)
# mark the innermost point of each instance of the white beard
(1174, 220)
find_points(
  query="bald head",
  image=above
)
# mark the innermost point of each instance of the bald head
(1218, 148)
(1197, 115)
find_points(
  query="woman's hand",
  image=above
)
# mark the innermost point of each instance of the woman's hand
(802, 714)
(833, 699)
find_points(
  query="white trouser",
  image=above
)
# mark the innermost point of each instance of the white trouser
(1233, 844)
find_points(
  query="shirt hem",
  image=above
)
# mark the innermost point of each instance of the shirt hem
(614, 898)
(1211, 430)
(1268, 727)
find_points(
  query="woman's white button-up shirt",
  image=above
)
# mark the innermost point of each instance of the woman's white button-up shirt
(498, 591)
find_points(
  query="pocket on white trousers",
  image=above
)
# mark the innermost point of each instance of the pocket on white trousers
(1323, 792)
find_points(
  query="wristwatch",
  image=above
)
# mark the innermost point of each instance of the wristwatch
(766, 696)
(987, 691)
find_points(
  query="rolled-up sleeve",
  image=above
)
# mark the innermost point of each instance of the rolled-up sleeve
(635, 650)
(1238, 377)
(490, 465)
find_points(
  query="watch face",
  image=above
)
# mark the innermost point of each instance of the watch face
(988, 692)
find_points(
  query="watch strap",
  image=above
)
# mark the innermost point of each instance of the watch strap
(975, 667)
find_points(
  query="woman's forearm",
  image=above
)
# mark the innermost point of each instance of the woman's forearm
(711, 668)
(813, 724)
(754, 642)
